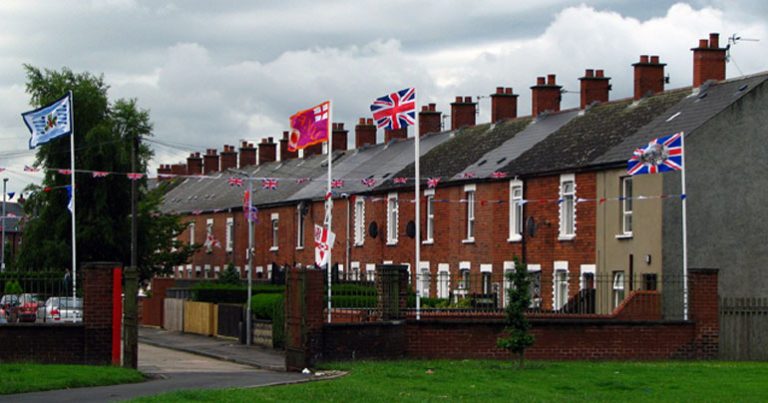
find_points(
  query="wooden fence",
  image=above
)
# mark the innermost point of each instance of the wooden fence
(744, 329)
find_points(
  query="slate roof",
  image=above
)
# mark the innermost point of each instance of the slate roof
(690, 113)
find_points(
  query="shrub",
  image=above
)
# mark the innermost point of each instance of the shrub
(231, 293)
(278, 323)
(263, 306)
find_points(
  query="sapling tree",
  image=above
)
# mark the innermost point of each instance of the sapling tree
(518, 338)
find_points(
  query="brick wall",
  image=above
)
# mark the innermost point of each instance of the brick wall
(303, 318)
(152, 308)
(373, 340)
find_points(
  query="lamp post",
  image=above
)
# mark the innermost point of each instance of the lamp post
(248, 254)
(2, 247)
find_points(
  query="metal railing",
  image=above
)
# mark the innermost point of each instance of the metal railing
(38, 297)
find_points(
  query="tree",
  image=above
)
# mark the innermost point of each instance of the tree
(230, 275)
(518, 300)
(103, 139)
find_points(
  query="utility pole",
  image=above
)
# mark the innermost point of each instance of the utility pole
(249, 221)
(130, 312)
(2, 247)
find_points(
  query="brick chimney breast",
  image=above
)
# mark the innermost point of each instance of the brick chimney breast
(228, 157)
(284, 153)
(194, 164)
(267, 151)
(503, 104)
(210, 161)
(462, 113)
(339, 137)
(247, 154)
(430, 120)
(179, 169)
(649, 76)
(594, 87)
(708, 61)
(545, 95)
(365, 133)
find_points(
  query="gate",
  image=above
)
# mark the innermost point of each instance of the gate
(744, 329)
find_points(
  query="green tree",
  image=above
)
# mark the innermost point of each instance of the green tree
(230, 275)
(518, 338)
(103, 139)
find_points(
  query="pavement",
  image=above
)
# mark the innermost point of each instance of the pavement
(214, 347)
(174, 361)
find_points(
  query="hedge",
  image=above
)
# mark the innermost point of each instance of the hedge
(231, 293)
(263, 305)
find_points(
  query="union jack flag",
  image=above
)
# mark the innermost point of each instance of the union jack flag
(660, 155)
(432, 182)
(197, 212)
(369, 182)
(99, 174)
(400, 180)
(498, 175)
(468, 175)
(395, 110)
(134, 176)
(302, 180)
(65, 171)
(337, 183)
(269, 183)
(235, 182)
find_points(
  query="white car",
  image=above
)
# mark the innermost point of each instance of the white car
(62, 309)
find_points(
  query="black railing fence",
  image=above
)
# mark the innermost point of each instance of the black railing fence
(39, 297)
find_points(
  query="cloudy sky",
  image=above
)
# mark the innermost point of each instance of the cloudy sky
(212, 73)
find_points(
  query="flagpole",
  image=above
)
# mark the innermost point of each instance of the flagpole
(417, 156)
(249, 220)
(685, 229)
(74, 203)
(329, 201)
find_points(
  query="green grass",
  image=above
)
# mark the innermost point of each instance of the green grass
(485, 381)
(20, 378)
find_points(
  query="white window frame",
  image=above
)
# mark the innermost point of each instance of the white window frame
(559, 287)
(354, 272)
(470, 193)
(486, 275)
(515, 210)
(465, 277)
(422, 286)
(587, 269)
(300, 228)
(532, 268)
(508, 267)
(618, 288)
(429, 202)
(275, 226)
(567, 208)
(370, 272)
(191, 232)
(393, 216)
(443, 280)
(359, 221)
(230, 235)
(626, 206)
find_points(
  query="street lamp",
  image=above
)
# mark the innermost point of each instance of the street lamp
(249, 253)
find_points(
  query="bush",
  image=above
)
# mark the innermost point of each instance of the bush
(13, 287)
(231, 293)
(263, 306)
(278, 323)
(435, 303)
(353, 301)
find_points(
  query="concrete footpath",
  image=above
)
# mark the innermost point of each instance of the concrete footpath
(221, 349)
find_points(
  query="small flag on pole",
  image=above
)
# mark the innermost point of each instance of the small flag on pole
(235, 182)
(49, 122)
(323, 242)
(309, 127)
(269, 183)
(432, 182)
(70, 202)
(396, 110)
(660, 155)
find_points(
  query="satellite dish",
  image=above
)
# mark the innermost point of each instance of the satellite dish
(410, 229)
(373, 229)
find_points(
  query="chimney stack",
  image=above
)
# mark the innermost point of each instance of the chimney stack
(365, 133)
(267, 150)
(194, 164)
(210, 161)
(228, 157)
(430, 120)
(546, 95)
(284, 153)
(315, 149)
(649, 76)
(179, 169)
(503, 104)
(164, 169)
(339, 137)
(594, 87)
(401, 133)
(708, 61)
(247, 154)
(462, 113)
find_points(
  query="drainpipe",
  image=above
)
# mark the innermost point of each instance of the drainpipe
(346, 263)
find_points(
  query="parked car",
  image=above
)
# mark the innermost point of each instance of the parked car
(62, 309)
(27, 309)
(9, 303)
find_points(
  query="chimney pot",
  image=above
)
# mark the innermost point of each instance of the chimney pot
(654, 60)
(508, 90)
(425, 108)
(361, 121)
(550, 79)
(540, 81)
(714, 40)
(499, 90)
(432, 107)
(703, 43)
(589, 73)
(285, 135)
(643, 58)
(600, 73)
(458, 100)
(467, 100)
(369, 121)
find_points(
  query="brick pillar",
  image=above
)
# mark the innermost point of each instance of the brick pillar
(392, 291)
(304, 318)
(430, 120)
(98, 299)
(703, 310)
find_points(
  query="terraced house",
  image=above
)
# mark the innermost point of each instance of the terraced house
(550, 188)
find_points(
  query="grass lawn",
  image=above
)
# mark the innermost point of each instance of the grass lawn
(19, 378)
(470, 380)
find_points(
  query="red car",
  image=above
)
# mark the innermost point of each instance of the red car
(27, 310)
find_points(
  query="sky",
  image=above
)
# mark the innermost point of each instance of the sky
(215, 73)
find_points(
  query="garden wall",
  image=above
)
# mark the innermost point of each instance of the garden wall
(152, 308)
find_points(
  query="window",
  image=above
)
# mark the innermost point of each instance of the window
(192, 233)
(443, 280)
(230, 236)
(430, 216)
(470, 197)
(464, 273)
(487, 270)
(618, 288)
(567, 207)
(275, 224)
(650, 281)
(509, 268)
(534, 274)
(392, 216)
(299, 227)
(370, 272)
(354, 271)
(359, 221)
(424, 280)
(626, 205)
(560, 285)
(515, 210)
